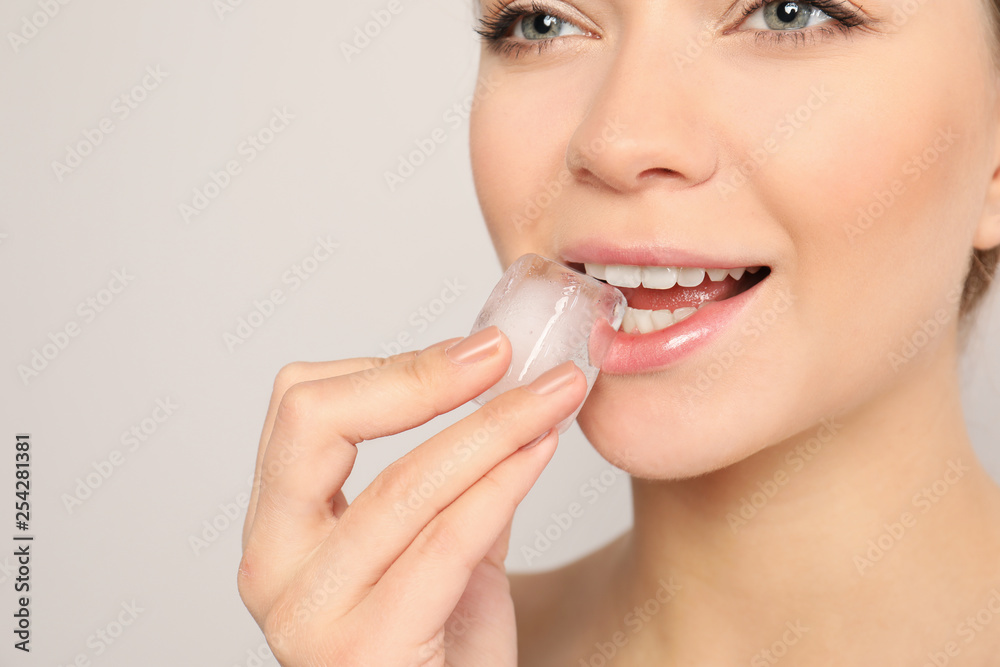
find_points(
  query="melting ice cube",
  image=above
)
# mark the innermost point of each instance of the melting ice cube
(551, 314)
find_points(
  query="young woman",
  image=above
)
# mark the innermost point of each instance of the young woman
(800, 201)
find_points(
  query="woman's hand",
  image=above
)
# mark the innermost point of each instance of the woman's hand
(412, 572)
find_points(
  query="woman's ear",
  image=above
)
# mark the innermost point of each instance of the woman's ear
(988, 230)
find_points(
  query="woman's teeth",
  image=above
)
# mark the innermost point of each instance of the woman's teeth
(637, 320)
(661, 277)
(648, 321)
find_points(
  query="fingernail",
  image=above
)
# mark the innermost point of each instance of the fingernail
(538, 439)
(476, 347)
(553, 379)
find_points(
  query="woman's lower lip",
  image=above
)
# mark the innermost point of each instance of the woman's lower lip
(635, 353)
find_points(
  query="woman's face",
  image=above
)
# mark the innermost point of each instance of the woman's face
(854, 163)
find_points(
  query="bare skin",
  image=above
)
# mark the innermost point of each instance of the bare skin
(793, 562)
(675, 134)
(816, 503)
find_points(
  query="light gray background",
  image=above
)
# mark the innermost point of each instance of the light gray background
(162, 337)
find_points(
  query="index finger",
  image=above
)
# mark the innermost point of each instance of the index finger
(304, 371)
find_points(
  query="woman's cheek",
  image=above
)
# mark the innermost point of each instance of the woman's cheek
(519, 136)
(503, 178)
(867, 190)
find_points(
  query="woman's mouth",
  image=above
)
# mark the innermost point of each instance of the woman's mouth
(672, 309)
(662, 296)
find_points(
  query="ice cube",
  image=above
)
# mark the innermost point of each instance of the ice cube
(551, 314)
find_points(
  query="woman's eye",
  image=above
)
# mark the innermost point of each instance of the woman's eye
(539, 26)
(785, 15)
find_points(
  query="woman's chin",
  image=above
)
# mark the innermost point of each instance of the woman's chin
(662, 448)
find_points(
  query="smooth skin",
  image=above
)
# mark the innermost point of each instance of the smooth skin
(384, 580)
(647, 139)
(332, 584)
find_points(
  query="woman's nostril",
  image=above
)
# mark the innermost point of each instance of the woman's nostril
(655, 172)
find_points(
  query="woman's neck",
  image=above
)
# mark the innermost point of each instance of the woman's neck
(874, 521)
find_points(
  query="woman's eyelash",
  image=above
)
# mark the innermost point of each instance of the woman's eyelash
(495, 23)
(498, 20)
(845, 19)
(494, 26)
(840, 10)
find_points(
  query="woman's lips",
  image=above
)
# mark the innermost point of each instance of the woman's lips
(680, 306)
(720, 304)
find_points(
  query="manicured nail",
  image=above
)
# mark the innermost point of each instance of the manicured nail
(553, 379)
(476, 347)
(538, 439)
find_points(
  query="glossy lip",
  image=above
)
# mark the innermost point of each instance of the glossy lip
(636, 353)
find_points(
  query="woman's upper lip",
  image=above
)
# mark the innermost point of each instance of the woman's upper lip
(650, 254)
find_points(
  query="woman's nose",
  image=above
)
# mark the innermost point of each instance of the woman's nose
(649, 124)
